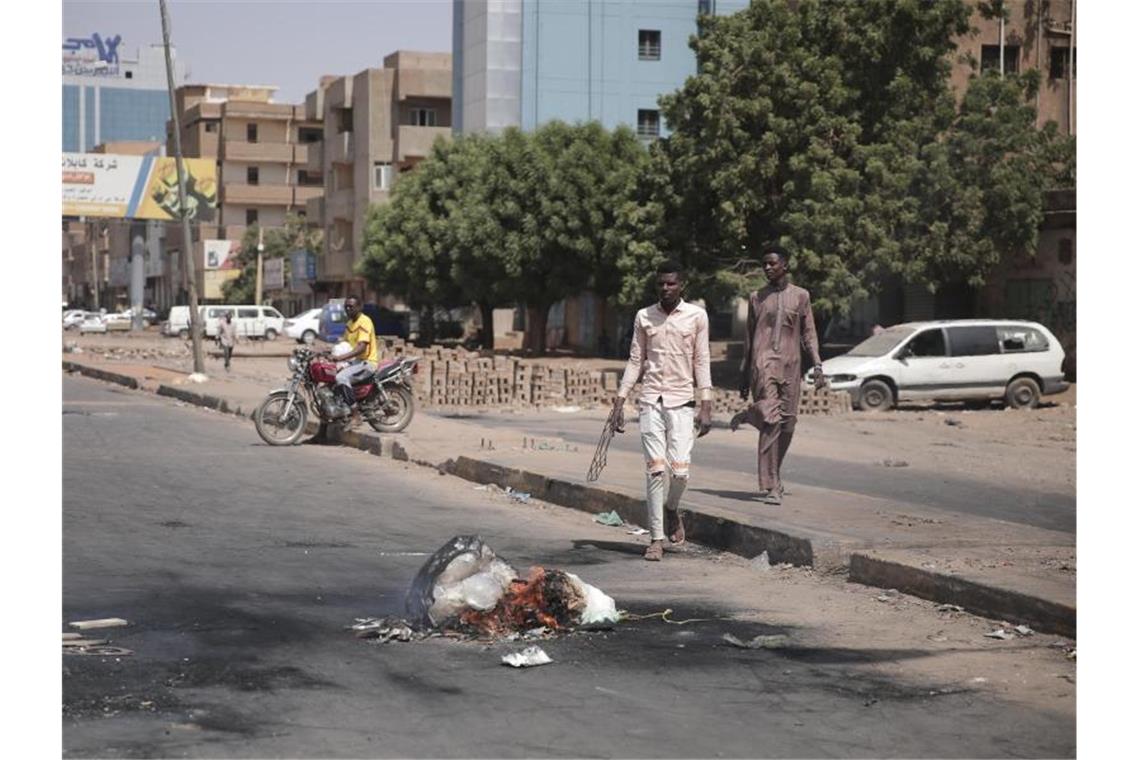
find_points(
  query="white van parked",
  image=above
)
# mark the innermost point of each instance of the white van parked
(951, 360)
(251, 321)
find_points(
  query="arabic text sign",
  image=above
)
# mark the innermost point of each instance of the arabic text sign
(136, 187)
(92, 56)
(273, 271)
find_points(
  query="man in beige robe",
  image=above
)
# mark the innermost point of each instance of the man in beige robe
(780, 327)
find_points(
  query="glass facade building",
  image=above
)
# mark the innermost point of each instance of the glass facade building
(106, 99)
(524, 62)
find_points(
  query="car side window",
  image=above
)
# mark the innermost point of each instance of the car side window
(927, 343)
(973, 340)
(271, 313)
(1016, 339)
(247, 313)
(216, 313)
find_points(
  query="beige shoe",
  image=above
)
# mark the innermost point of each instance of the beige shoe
(655, 551)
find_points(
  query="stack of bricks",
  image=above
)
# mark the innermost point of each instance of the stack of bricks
(812, 401)
(454, 377)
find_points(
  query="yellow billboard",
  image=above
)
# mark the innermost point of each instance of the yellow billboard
(137, 187)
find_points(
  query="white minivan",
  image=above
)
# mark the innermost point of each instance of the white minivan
(251, 321)
(951, 360)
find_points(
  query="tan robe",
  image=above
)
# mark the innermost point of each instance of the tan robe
(780, 326)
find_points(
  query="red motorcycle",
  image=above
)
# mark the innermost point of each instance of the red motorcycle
(385, 398)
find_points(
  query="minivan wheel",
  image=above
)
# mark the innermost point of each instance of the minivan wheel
(271, 334)
(184, 333)
(875, 396)
(1022, 393)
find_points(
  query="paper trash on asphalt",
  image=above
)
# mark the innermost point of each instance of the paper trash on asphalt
(1000, 633)
(611, 518)
(527, 658)
(772, 641)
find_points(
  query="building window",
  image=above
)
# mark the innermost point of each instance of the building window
(991, 54)
(211, 126)
(250, 216)
(344, 120)
(648, 45)
(422, 117)
(309, 179)
(252, 175)
(382, 176)
(251, 133)
(310, 135)
(648, 124)
(1059, 63)
(129, 75)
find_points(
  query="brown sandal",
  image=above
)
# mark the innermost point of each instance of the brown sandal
(675, 526)
(655, 551)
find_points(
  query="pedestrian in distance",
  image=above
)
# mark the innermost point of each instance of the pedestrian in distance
(780, 327)
(669, 353)
(227, 337)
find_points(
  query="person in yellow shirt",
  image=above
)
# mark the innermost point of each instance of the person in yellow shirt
(361, 335)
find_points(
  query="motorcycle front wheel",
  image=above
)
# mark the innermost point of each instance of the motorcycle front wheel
(276, 428)
(400, 408)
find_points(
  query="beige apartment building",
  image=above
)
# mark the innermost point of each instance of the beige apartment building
(262, 152)
(1038, 36)
(377, 124)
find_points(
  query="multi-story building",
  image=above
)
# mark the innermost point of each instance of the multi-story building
(377, 124)
(524, 62)
(262, 152)
(108, 98)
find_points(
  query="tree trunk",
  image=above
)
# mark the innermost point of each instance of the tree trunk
(536, 328)
(427, 325)
(487, 313)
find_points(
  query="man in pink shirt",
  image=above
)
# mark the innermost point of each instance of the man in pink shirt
(669, 353)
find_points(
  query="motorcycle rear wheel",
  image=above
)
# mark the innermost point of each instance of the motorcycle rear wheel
(272, 428)
(403, 407)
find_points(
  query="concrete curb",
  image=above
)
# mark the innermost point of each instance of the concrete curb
(722, 533)
(981, 599)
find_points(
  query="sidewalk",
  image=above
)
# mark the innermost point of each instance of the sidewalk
(991, 567)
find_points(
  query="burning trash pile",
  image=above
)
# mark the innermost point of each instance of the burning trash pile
(465, 589)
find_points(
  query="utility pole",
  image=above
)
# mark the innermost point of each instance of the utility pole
(1072, 61)
(1001, 42)
(260, 251)
(195, 318)
(90, 232)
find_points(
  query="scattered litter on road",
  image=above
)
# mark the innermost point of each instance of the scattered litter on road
(98, 650)
(664, 615)
(565, 409)
(84, 625)
(1071, 654)
(889, 595)
(609, 518)
(520, 496)
(979, 679)
(761, 562)
(1000, 633)
(895, 463)
(384, 629)
(1023, 630)
(952, 422)
(774, 641)
(950, 608)
(81, 642)
(637, 532)
(197, 377)
(527, 658)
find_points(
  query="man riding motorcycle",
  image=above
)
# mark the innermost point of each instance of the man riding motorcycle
(364, 357)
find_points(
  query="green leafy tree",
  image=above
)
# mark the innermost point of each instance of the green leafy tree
(831, 128)
(516, 218)
(279, 243)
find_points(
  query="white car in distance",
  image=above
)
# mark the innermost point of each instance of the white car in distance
(304, 327)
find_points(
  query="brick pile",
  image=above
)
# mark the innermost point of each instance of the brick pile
(454, 378)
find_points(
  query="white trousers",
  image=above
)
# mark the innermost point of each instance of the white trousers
(667, 440)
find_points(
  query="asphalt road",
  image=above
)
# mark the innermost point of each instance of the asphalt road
(1041, 509)
(239, 566)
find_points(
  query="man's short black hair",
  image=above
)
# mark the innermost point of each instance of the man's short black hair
(671, 267)
(351, 298)
(777, 249)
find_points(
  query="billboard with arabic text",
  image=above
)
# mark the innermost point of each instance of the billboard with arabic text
(137, 187)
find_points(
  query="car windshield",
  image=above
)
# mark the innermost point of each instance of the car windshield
(883, 343)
